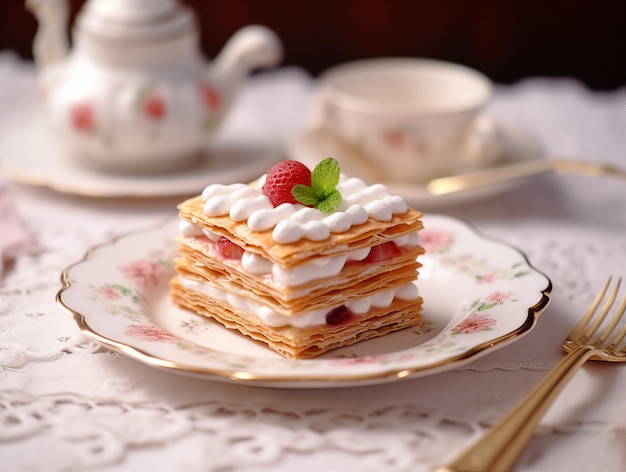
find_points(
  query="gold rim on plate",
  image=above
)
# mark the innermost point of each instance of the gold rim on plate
(498, 298)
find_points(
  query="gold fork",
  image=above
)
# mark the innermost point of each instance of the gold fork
(501, 445)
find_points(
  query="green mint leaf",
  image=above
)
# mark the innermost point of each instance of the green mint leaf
(325, 177)
(322, 194)
(305, 195)
(330, 203)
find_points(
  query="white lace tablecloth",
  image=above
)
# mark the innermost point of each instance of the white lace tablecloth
(68, 404)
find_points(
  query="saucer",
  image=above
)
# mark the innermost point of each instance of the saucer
(515, 144)
(29, 155)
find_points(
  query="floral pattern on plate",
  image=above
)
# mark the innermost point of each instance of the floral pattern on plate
(478, 295)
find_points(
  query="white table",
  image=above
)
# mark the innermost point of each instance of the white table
(68, 404)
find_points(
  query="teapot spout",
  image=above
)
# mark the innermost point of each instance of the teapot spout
(51, 40)
(250, 48)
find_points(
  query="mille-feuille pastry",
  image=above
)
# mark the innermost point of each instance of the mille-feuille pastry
(303, 261)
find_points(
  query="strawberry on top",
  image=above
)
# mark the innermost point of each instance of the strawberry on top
(282, 178)
(292, 182)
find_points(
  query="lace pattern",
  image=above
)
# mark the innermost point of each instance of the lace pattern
(92, 433)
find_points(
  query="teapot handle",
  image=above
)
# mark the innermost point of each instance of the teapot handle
(249, 48)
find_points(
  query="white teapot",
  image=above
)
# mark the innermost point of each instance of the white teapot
(135, 93)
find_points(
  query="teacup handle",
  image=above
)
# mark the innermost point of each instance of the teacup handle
(483, 144)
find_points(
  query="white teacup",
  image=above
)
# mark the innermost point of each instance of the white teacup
(411, 119)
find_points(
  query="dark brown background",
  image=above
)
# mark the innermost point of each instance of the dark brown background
(506, 39)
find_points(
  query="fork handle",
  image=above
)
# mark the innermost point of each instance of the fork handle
(501, 445)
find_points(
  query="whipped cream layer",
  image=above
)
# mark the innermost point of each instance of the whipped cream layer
(292, 222)
(305, 319)
(316, 269)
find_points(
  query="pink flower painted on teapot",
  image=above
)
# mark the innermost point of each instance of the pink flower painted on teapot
(210, 96)
(154, 107)
(82, 117)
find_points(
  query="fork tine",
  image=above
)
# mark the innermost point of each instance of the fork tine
(620, 336)
(578, 329)
(600, 339)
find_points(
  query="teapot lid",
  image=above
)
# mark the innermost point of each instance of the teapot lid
(135, 20)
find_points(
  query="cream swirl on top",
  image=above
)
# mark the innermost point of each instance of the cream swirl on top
(292, 222)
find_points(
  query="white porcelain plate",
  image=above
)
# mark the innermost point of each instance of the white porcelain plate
(29, 155)
(479, 295)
